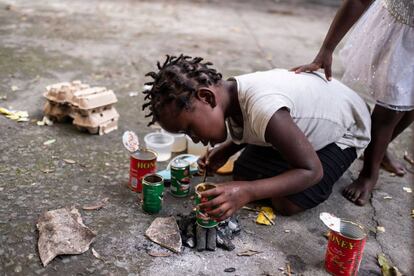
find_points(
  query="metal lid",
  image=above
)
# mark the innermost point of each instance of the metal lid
(145, 154)
(130, 141)
(180, 163)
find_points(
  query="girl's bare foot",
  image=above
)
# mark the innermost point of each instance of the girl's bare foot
(360, 190)
(390, 164)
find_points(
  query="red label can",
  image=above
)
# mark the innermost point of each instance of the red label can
(142, 162)
(345, 248)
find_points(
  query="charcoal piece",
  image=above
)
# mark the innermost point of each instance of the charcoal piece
(201, 235)
(224, 241)
(234, 225)
(211, 239)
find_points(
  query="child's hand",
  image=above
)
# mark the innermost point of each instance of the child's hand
(213, 160)
(228, 198)
(322, 60)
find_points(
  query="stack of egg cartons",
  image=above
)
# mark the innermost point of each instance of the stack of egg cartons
(91, 108)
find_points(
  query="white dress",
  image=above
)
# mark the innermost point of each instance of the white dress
(379, 54)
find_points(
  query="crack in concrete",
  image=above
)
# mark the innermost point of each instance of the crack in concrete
(377, 224)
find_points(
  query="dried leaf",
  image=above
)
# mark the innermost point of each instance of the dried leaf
(159, 253)
(46, 170)
(407, 189)
(69, 161)
(49, 142)
(62, 232)
(96, 206)
(387, 269)
(96, 254)
(249, 252)
(230, 269)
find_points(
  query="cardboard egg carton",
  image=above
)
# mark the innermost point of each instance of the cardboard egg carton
(98, 122)
(90, 108)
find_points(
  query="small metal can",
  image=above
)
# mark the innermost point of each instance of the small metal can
(202, 218)
(153, 189)
(180, 178)
(345, 249)
(142, 162)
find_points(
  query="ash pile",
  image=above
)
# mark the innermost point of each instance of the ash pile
(195, 236)
(89, 108)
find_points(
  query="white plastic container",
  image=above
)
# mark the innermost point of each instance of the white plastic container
(180, 143)
(161, 143)
(197, 149)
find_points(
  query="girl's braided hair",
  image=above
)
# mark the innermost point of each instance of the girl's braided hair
(177, 80)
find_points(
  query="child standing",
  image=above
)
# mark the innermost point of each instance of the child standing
(379, 54)
(300, 132)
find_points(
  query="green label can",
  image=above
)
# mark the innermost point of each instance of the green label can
(202, 218)
(180, 178)
(152, 190)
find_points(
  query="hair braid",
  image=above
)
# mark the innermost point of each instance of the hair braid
(177, 80)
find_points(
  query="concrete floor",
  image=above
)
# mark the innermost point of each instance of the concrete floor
(113, 44)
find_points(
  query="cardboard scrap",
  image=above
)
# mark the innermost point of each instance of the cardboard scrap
(165, 232)
(62, 231)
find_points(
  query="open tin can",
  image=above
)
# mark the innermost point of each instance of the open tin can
(345, 248)
(142, 162)
(153, 190)
(203, 218)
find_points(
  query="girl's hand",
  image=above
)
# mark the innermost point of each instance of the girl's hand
(228, 198)
(213, 160)
(322, 60)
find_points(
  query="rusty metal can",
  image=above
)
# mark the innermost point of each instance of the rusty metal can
(180, 178)
(202, 218)
(345, 249)
(153, 189)
(142, 162)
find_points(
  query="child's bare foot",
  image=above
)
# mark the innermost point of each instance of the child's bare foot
(360, 190)
(390, 164)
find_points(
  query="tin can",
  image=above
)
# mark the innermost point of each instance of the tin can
(142, 162)
(180, 178)
(202, 218)
(345, 249)
(153, 189)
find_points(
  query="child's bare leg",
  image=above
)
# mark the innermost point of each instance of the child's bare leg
(384, 122)
(285, 207)
(389, 162)
(392, 165)
(281, 205)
